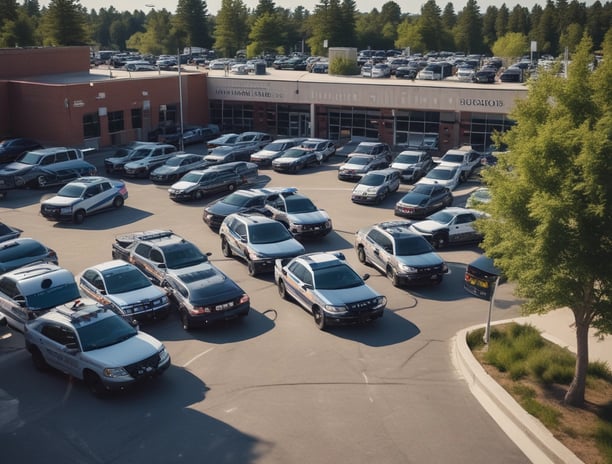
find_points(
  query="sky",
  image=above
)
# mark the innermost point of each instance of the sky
(410, 6)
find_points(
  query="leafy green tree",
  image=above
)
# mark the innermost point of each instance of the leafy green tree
(8, 11)
(18, 33)
(501, 21)
(551, 212)
(191, 23)
(348, 14)
(326, 24)
(264, 7)
(430, 25)
(156, 39)
(468, 31)
(267, 34)
(545, 30)
(449, 17)
(511, 46)
(571, 37)
(518, 20)
(231, 29)
(63, 23)
(409, 36)
(32, 8)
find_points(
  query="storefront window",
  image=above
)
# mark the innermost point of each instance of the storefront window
(417, 129)
(482, 127)
(359, 122)
(115, 121)
(91, 125)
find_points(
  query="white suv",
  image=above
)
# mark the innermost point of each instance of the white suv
(92, 343)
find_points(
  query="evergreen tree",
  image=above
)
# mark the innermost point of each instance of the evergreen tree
(468, 31)
(231, 29)
(63, 23)
(501, 21)
(264, 7)
(191, 23)
(551, 208)
(267, 34)
(489, 29)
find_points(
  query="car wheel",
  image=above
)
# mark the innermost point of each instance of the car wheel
(225, 248)
(42, 181)
(319, 317)
(38, 359)
(79, 217)
(392, 275)
(118, 202)
(185, 320)
(439, 241)
(282, 290)
(197, 195)
(94, 384)
(295, 168)
(251, 268)
(361, 255)
(231, 187)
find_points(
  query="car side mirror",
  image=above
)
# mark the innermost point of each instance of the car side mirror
(161, 265)
(71, 348)
(306, 287)
(366, 277)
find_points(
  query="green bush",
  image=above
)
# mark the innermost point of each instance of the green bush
(475, 339)
(343, 67)
(600, 370)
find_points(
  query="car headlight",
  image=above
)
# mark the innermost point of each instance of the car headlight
(66, 210)
(408, 269)
(371, 190)
(255, 255)
(163, 356)
(381, 302)
(335, 309)
(115, 372)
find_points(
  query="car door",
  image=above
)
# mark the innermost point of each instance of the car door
(59, 345)
(462, 228)
(12, 303)
(393, 181)
(90, 201)
(374, 247)
(237, 237)
(299, 283)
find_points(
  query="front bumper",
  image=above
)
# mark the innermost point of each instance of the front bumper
(350, 318)
(366, 199)
(349, 175)
(181, 196)
(139, 372)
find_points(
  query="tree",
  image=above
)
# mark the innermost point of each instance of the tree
(409, 36)
(191, 23)
(468, 31)
(551, 212)
(18, 33)
(266, 34)
(489, 30)
(511, 46)
(63, 23)
(231, 30)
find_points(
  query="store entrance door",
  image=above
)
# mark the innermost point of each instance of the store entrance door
(299, 125)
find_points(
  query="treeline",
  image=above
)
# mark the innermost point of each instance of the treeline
(555, 27)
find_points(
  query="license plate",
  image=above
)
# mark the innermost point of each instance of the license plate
(223, 307)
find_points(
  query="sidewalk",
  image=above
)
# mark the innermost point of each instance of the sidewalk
(538, 444)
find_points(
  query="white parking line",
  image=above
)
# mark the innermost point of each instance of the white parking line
(197, 356)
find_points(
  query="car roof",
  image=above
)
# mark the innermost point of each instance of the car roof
(89, 180)
(21, 241)
(112, 264)
(459, 210)
(81, 312)
(396, 228)
(384, 172)
(322, 259)
(253, 218)
(47, 151)
(32, 271)
(266, 191)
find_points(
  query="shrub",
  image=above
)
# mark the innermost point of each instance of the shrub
(600, 370)
(343, 67)
(475, 339)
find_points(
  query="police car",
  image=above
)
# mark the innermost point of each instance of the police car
(92, 343)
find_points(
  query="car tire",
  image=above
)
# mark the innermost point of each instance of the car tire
(439, 241)
(185, 320)
(225, 248)
(231, 187)
(197, 195)
(251, 268)
(94, 384)
(392, 275)
(118, 202)
(78, 217)
(38, 359)
(361, 255)
(319, 317)
(282, 290)
(42, 181)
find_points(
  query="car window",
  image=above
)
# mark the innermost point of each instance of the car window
(60, 334)
(105, 186)
(465, 218)
(47, 160)
(240, 229)
(143, 249)
(61, 156)
(9, 287)
(156, 256)
(302, 273)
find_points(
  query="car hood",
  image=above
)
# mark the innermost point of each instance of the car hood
(166, 170)
(117, 159)
(309, 218)
(59, 200)
(361, 189)
(353, 167)
(343, 295)
(282, 161)
(266, 154)
(403, 166)
(288, 248)
(223, 209)
(414, 199)
(136, 164)
(449, 163)
(183, 185)
(149, 293)
(426, 259)
(15, 168)
(427, 226)
(127, 352)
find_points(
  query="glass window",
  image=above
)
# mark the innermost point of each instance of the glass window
(115, 121)
(136, 118)
(91, 125)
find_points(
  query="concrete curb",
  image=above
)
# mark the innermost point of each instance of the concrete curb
(528, 433)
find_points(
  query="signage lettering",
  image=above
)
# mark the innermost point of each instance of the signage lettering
(246, 92)
(481, 102)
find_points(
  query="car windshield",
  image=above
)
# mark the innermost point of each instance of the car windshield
(407, 159)
(71, 191)
(300, 205)
(442, 217)
(176, 161)
(246, 138)
(105, 332)
(53, 296)
(125, 279)
(367, 149)
(220, 151)
(139, 154)
(30, 157)
(193, 177)
(411, 246)
(372, 180)
(236, 199)
(423, 189)
(311, 145)
(359, 160)
(293, 153)
(336, 277)
(268, 232)
(441, 174)
(453, 158)
(274, 146)
(183, 255)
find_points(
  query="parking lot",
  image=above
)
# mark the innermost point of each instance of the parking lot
(270, 388)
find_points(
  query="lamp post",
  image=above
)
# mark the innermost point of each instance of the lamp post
(178, 59)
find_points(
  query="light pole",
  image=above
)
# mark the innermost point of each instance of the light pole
(178, 59)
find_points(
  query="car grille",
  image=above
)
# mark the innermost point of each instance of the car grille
(362, 306)
(49, 209)
(142, 307)
(316, 226)
(143, 368)
(430, 269)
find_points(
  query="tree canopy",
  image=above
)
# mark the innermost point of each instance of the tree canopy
(551, 212)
